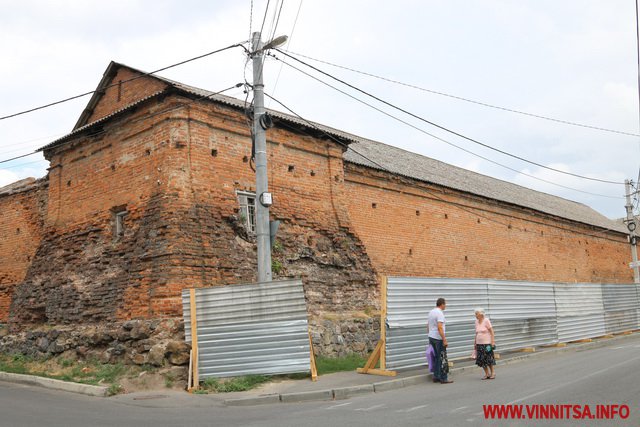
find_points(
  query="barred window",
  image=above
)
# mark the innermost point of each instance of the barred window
(248, 210)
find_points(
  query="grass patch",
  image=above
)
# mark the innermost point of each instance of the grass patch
(328, 365)
(325, 365)
(15, 363)
(244, 383)
(91, 372)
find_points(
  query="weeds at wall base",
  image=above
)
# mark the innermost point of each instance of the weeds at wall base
(91, 372)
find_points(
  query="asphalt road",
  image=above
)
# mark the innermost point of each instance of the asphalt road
(598, 376)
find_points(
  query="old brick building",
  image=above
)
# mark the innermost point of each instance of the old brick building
(152, 191)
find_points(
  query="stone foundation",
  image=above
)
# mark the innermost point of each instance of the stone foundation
(161, 342)
(136, 342)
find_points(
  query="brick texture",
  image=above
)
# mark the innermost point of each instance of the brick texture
(176, 172)
(20, 230)
(414, 229)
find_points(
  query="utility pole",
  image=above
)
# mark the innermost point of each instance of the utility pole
(262, 183)
(261, 122)
(633, 237)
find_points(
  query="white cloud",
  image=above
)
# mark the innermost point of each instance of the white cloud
(7, 177)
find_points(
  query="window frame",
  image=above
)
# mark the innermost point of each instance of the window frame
(247, 202)
(119, 214)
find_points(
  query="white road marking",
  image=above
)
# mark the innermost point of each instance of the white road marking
(337, 406)
(415, 408)
(370, 408)
(573, 382)
(471, 420)
(530, 396)
(459, 409)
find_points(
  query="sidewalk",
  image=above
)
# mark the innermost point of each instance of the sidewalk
(342, 385)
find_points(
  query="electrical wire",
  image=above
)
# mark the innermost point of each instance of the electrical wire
(446, 129)
(264, 19)
(18, 157)
(275, 27)
(250, 20)
(448, 142)
(472, 211)
(293, 30)
(145, 117)
(123, 81)
(638, 56)
(22, 164)
(460, 98)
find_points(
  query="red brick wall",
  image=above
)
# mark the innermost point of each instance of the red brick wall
(121, 95)
(411, 232)
(82, 271)
(177, 171)
(183, 226)
(20, 233)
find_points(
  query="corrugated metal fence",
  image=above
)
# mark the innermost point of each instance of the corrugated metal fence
(523, 314)
(250, 329)
(409, 301)
(580, 311)
(620, 307)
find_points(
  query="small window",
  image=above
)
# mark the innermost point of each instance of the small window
(248, 210)
(119, 215)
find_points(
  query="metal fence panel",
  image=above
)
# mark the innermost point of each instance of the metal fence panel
(250, 329)
(620, 307)
(523, 314)
(638, 305)
(580, 310)
(409, 301)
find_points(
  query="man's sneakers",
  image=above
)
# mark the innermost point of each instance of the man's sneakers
(446, 382)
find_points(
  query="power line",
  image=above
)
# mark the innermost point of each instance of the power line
(638, 57)
(250, 19)
(457, 205)
(18, 157)
(446, 129)
(293, 30)
(277, 21)
(460, 98)
(448, 142)
(182, 105)
(22, 164)
(264, 19)
(116, 84)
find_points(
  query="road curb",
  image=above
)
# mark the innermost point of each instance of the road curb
(307, 395)
(250, 401)
(347, 392)
(53, 384)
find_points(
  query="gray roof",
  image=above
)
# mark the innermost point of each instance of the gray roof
(395, 160)
(385, 157)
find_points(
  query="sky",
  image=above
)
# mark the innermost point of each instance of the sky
(569, 60)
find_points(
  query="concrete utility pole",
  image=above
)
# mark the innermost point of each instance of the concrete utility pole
(262, 183)
(633, 237)
(261, 123)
